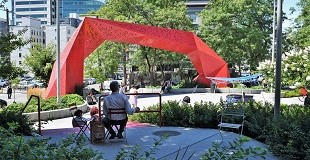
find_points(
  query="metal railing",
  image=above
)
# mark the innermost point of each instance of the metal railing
(39, 110)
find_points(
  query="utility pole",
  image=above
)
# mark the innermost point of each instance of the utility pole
(7, 20)
(58, 52)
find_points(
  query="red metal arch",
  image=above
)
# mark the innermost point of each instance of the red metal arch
(93, 32)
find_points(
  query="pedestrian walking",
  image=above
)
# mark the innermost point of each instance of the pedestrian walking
(9, 92)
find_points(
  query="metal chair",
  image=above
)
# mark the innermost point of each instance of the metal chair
(115, 125)
(79, 122)
(232, 116)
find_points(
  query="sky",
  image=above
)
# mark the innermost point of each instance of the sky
(287, 4)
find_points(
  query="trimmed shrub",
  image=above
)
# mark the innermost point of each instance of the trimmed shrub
(204, 115)
(289, 138)
(17, 147)
(49, 104)
(8, 118)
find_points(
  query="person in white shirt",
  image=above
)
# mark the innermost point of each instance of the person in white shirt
(117, 100)
(134, 98)
(122, 88)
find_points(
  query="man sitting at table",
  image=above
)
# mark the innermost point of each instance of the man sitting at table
(117, 100)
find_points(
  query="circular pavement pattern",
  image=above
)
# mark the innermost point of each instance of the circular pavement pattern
(167, 133)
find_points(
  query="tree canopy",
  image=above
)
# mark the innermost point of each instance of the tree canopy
(301, 31)
(40, 61)
(162, 13)
(239, 31)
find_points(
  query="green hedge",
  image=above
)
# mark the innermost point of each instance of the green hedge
(289, 138)
(48, 104)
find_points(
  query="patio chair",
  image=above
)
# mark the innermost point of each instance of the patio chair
(232, 117)
(79, 122)
(115, 125)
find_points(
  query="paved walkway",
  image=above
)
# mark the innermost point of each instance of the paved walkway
(182, 140)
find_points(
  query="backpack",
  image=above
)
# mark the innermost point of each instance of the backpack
(186, 99)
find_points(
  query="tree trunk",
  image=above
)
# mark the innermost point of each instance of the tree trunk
(149, 66)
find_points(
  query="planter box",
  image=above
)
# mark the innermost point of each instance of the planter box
(54, 114)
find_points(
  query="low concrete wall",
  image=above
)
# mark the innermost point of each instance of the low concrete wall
(202, 90)
(54, 114)
(239, 90)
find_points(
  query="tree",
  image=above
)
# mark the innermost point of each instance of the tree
(41, 60)
(162, 13)
(301, 32)
(239, 31)
(8, 43)
(103, 61)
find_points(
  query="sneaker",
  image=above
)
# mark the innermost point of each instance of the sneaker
(120, 136)
(112, 136)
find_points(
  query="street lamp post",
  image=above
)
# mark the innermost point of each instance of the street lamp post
(58, 52)
(278, 62)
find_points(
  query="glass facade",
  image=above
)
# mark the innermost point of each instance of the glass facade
(78, 6)
(31, 2)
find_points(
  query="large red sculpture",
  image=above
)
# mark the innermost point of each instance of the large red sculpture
(92, 32)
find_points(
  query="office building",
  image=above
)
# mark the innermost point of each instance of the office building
(78, 6)
(194, 7)
(50, 31)
(40, 34)
(45, 10)
(33, 31)
(40, 9)
(3, 26)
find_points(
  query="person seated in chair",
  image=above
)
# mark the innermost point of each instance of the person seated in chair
(91, 98)
(117, 100)
(78, 119)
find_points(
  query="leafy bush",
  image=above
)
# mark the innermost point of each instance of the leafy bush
(49, 104)
(175, 113)
(8, 118)
(204, 115)
(17, 147)
(188, 84)
(258, 118)
(235, 150)
(295, 68)
(292, 93)
(289, 139)
(72, 99)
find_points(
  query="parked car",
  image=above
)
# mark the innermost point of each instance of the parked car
(85, 81)
(3, 103)
(3, 83)
(92, 81)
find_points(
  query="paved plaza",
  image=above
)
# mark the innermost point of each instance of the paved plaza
(185, 141)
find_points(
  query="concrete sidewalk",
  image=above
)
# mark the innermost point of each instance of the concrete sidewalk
(182, 141)
(185, 141)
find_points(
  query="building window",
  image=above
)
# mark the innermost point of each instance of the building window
(19, 54)
(19, 62)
